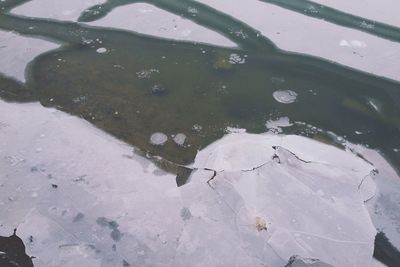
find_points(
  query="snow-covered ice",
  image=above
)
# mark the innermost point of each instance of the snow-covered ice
(148, 19)
(87, 200)
(67, 10)
(383, 10)
(299, 33)
(17, 51)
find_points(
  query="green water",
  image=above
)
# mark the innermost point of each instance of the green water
(200, 86)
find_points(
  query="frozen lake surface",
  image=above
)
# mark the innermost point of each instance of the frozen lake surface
(194, 133)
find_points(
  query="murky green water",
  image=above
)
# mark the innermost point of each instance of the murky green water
(143, 85)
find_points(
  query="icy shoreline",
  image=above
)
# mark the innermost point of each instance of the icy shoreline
(79, 197)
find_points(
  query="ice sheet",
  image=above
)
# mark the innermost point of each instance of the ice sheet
(298, 33)
(79, 197)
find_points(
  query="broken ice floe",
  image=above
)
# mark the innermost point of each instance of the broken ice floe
(158, 139)
(285, 96)
(110, 210)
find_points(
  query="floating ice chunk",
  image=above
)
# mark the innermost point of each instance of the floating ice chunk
(101, 50)
(236, 59)
(192, 10)
(180, 139)
(285, 96)
(276, 125)
(158, 139)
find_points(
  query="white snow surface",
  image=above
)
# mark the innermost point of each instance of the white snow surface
(17, 51)
(87, 200)
(151, 20)
(385, 11)
(295, 32)
(67, 10)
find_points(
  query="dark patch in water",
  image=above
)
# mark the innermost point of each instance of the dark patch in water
(183, 175)
(385, 252)
(12, 252)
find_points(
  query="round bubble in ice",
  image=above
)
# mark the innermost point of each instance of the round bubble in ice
(179, 139)
(285, 96)
(158, 139)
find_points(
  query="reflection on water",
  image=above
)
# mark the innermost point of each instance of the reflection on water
(134, 86)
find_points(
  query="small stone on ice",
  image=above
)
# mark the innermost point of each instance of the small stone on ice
(179, 139)
(101, 50)
(158, 139)
(285, 96)
(261, 224)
